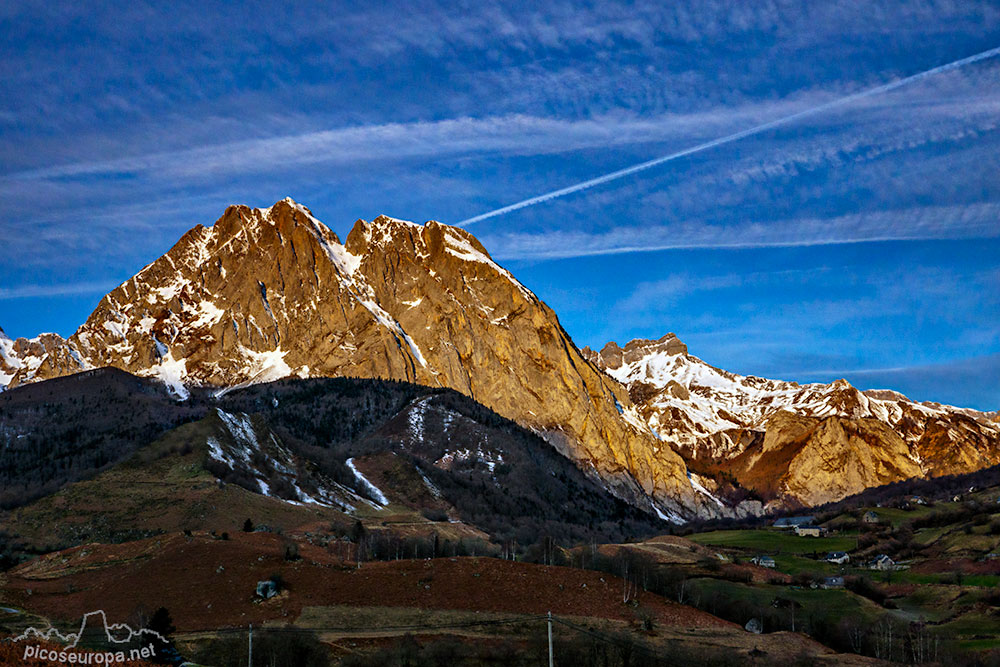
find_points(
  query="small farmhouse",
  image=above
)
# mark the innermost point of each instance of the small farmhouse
(810, 531)
(832, 582)
(267, 589)
(790, 522)
(882, 562)
(838, 557)
(763, 561)
(870, 517)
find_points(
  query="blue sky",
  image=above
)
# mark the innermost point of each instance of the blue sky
(861, 242)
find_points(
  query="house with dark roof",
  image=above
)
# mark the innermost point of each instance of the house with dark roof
(882, 562)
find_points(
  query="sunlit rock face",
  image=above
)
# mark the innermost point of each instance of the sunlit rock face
(794, 444)
(270, 293)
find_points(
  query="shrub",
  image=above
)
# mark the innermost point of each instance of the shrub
(865, 588)
(434, 514)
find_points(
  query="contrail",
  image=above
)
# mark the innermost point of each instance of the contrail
(642, 166)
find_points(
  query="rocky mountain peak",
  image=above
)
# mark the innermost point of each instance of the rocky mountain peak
(271, 293)
(381, 233)
(741, 423)
(614, 356)
(668, 344)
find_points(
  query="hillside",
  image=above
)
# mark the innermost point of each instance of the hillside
(297, 452)
(70, 428)
(921, 568)
(478, 603)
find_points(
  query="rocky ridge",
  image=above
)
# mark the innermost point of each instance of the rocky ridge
(794, 444)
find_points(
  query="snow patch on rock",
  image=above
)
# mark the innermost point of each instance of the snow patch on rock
(371, 488)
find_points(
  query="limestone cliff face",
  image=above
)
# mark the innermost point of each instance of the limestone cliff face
(271, 293)
(794, 444)
(812, 460)
(43, 356)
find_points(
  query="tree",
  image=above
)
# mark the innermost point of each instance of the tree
(163, 625)
(161, 622)
(358, 532)
(248, 526)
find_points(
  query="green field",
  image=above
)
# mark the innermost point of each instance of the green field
(815, 602)
(897, 517)
(775, 542)
(791, 564)
(926, 536)
(980, 644)
(946, 578)
(972, 625)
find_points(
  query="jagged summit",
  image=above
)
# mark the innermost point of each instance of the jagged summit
(268, 293)
(613, 356)
(816, 442)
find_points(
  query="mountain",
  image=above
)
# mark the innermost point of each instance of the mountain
(794, 444)
(272, 293)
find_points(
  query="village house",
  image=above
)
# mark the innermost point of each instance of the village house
(790, 522)
(832, 582)
(763, 561)
(267, 589)
(838, 557)
(870, 517)
(882, 562)
(810, 531)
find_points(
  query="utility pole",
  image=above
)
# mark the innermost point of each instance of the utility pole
(250, 642)
(551, 663)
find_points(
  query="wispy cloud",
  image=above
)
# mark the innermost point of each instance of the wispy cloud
(950, 222)
(516, 134)
(963, 382)
(928, 332)
(49, 291)
(736, 136)
(133, 122)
